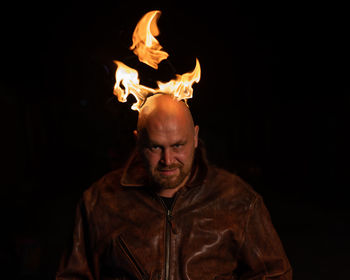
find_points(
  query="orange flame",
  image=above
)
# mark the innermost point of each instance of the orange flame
(145, 45)
(129, 79)
(128, 82)
(148, 50)
(181, 86)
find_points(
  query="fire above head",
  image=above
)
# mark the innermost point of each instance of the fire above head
(181, 86)
(128, 82)
(144, 44)
(129, 79)
(148, 50)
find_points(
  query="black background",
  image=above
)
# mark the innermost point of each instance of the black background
(272, 105)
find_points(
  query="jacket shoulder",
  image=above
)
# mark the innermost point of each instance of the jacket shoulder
(232, 185)
(109, 184)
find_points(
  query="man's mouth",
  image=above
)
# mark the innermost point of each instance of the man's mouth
(167, 171)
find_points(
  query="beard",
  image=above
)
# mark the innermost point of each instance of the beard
(161, 181)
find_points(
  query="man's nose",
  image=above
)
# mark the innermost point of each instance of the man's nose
(167, 157)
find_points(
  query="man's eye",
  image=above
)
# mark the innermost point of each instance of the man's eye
(177, 146)
(155, 148)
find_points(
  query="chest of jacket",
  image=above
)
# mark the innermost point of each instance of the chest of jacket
(198, 238)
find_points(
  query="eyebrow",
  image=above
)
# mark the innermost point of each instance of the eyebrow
(154, 143)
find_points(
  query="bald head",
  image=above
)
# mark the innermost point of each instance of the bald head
(164, 111)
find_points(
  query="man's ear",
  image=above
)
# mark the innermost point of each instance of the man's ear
(136, 134)
(137, 138)
(196, 130)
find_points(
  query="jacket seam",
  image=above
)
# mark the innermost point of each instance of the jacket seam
(257, 250)
(132, 260)
(249, 215)
(252, 204)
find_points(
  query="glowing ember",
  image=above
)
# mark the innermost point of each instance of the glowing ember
(148, 50)
(145, 45)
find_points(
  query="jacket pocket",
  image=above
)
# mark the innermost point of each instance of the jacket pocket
(132, 260)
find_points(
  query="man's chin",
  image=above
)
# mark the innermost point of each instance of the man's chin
(167, 183)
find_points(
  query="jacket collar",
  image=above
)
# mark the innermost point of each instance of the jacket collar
(135, 174)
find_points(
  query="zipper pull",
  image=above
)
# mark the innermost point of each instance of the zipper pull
(169, 220)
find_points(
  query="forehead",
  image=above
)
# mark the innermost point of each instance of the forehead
(167, 130)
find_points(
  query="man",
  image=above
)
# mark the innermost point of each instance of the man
(170, 215)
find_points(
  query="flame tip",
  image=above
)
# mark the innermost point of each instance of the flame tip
(144, 43)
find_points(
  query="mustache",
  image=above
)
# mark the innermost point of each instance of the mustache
(163, 167)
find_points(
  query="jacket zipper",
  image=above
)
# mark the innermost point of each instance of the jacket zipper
(168, 244)
(168, 228)
(132, 258)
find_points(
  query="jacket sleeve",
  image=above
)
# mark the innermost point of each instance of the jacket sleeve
(262, 256)
(77, 261)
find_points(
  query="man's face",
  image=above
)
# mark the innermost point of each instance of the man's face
(168, 149)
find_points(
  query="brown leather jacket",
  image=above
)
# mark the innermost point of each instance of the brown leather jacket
(218, 228)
